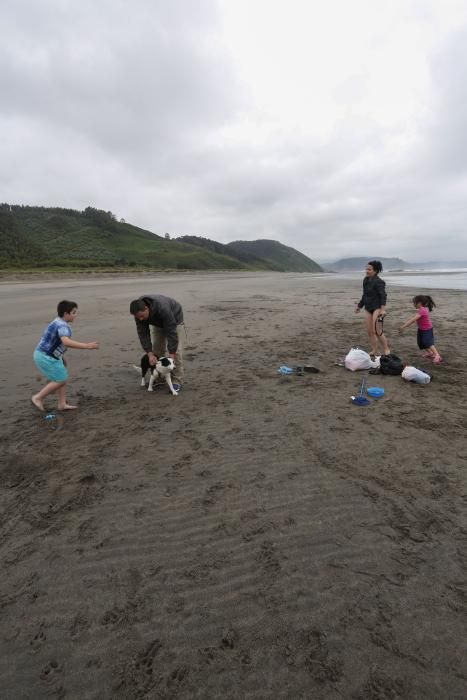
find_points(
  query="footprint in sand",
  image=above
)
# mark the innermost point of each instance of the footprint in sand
(38, 639)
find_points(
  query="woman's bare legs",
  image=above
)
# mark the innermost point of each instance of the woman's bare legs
(370, 327)
(370, 322)
(380, 338)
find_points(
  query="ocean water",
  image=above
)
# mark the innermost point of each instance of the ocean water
(424, 279)
(430, 280)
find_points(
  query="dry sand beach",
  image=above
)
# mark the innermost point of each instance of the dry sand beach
(257, 536)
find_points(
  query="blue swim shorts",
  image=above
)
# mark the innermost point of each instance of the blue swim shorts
(52, 369)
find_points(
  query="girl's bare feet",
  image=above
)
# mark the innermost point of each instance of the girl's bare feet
(37, 402)
(67, 407)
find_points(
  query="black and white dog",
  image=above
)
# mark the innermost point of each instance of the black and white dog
(161, 370)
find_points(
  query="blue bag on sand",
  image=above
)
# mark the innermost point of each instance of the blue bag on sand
(285, 370)
(376, 392)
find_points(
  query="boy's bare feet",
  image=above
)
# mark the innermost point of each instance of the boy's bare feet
(37, 403)
(67, 407)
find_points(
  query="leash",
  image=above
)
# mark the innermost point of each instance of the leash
(379, 324)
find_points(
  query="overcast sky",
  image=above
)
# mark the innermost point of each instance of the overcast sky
(337, 127)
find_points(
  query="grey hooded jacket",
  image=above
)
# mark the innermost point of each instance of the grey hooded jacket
(165, 313)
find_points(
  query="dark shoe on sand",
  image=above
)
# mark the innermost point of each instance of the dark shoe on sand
(311, 369)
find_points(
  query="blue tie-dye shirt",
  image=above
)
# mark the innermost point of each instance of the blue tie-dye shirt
(51, 342)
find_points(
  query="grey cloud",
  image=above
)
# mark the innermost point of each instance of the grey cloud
(132, 78)
(126, 107)
(447, 138)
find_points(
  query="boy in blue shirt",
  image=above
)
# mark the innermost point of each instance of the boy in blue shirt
(48, 355)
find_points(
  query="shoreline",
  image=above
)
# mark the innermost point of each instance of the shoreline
(30, 278)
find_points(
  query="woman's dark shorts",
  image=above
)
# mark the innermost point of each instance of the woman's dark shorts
(425, 339)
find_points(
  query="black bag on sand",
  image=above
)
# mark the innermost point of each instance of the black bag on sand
(390, 364)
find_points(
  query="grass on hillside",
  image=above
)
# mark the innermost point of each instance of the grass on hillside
(74, 240)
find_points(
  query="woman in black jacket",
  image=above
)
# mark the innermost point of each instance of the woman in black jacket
(374, 301)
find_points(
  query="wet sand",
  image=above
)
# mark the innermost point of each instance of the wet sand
(256, 537)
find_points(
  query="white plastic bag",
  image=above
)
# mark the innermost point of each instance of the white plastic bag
(358, 359)
(412, 374)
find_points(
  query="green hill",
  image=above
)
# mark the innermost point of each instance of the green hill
(55, 238)
(15, 247)
(38, 237)
(280, 257)
(224, 249)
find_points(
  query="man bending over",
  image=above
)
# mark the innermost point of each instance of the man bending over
(159, 321)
